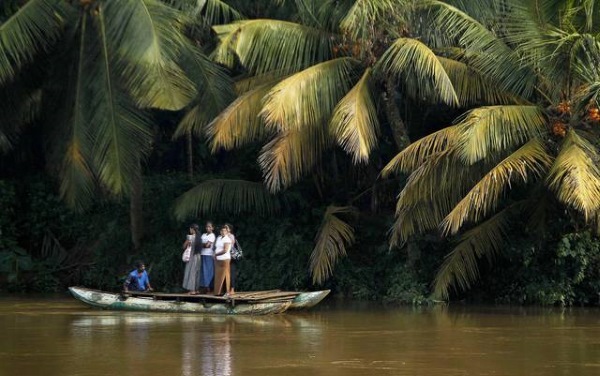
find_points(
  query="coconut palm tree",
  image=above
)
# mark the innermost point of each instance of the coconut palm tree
(461, 182)
(332, 77)
(85, 72)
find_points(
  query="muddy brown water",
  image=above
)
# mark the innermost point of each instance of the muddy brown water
(51, 336)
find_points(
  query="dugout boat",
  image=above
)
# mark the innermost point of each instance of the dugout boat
(241, 303)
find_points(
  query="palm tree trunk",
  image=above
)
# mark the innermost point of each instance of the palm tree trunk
(414, 253)
(136, 211)
(190, 155)
(399, 130)
(400, 134)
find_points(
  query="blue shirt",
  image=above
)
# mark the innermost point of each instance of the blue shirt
(136, 281)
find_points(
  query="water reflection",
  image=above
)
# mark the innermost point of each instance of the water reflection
(207, 354)
(205, 341)
(58, 339)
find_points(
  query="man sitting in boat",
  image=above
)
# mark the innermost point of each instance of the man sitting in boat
(138, 279)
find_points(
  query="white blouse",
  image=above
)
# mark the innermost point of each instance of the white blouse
(220, 245)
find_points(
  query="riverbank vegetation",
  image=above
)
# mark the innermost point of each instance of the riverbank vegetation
(404, 151)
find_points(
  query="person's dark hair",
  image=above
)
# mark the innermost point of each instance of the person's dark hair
(195, 227)
(209, 223)
(139, 264)
(228, 227)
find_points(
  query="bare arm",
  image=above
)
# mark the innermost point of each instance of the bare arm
(226, 248)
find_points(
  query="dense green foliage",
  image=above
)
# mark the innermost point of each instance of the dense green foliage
(352, 144)
(49, 247)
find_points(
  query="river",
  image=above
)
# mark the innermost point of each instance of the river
(62, 337)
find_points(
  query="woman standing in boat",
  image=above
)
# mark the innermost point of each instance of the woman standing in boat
(207, 271)
(192, 267)
(232, 262)
(222, 260)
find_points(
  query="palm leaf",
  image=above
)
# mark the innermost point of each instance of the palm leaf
(354, 124)
(488, 130)
(525, 164)
(216, 93)
(20, 105)
(333, 238)
(146, 38)
(431, 192)
(291, 155)
(360, 20)
(247, 83)
(34, 27)
(489, 54)
(226, 196)
(460, 267)
(416, 153)
(239, 124)
(272, 45)
(308, 98)
(215, 12)
(575, 177)
(78, 183)
(418, 218)
(470, 86)
(122, 133)
(420, 71)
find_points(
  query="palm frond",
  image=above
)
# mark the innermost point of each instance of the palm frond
(217, 12)
(420, 71)
(34, 27)
(308, 98)
(244, 84)
(78, 181)
(354, 124)
(460, 267)
(471, 87)
(417, 218)
(431, 192)
(216, 93)
(417, 152)
(488, 130)
(271, 45)
(490, 55)
(575, 176)
(207, 12)
(147, 39)
(19, 106)
(291, 155)
(122, 133)
(333, 238)
(526, 164)
(361, 19)
(239, 124)
(226, 196)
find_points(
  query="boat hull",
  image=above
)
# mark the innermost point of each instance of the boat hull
(306, 300)
(117, 302)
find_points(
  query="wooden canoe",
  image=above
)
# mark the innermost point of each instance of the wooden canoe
(305, 300)
(247, 303)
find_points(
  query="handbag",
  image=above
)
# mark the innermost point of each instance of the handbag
(187, 254)
(236, 251)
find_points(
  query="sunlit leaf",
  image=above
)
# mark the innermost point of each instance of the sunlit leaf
(308, 98)
(575, 176)
(226, 196)
(354, 123)
(333, 238)
(488, 130)
(524, 165)
(271, 45)
(417, 152)
(460, 267)
(419, 70)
